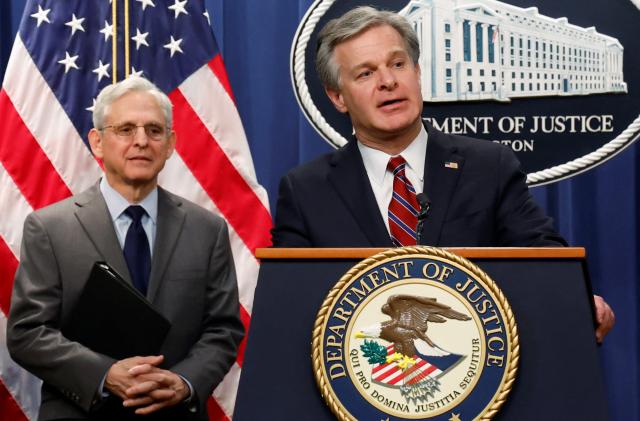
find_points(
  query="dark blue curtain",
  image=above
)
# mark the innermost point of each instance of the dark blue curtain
(597, 209)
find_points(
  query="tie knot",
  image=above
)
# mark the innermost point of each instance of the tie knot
(396, 164)
(136, 212)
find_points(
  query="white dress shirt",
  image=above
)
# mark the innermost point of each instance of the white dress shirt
(381, 179)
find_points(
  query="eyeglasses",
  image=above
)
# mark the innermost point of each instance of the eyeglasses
(153, 131)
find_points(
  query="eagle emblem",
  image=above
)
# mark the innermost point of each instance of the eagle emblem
(407, 329)
(411, 361)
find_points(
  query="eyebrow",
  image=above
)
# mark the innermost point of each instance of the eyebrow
(392, 55)
(128, 122)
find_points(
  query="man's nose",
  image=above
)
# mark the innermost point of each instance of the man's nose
(387, 79)
(140, 136)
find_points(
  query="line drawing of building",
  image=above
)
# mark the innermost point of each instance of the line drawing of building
(491, 50)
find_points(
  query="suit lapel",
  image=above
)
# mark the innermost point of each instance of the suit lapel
(170, 221)
(93, 215)
(354, 189)
(440, 182)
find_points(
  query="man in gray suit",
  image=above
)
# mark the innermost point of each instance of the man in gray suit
(188, 276)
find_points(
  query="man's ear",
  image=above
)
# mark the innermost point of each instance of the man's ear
(337, 99)
(172, 143)
(96, 143)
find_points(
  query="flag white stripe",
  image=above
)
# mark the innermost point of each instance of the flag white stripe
(12, 216)
(223, 122)
(48, 122)
(225, 393)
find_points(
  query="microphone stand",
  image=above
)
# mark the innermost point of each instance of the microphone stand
(425, 205)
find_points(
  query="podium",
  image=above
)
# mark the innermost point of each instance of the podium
(559, 376)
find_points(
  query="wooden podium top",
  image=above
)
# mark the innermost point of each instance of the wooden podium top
(467, 252)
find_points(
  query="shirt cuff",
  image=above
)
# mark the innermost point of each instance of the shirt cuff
(101, 393)
(190, 401)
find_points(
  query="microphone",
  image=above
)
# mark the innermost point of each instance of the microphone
(425, 205)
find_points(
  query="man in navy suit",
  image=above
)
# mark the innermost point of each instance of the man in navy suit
(367, 60)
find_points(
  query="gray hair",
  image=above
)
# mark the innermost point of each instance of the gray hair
(348, 26)
(111, 93)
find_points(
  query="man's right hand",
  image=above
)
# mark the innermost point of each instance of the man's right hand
(119, 379)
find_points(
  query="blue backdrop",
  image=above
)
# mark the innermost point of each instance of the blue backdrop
(597, 209)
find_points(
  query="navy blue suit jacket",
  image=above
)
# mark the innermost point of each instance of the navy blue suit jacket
(484, 202)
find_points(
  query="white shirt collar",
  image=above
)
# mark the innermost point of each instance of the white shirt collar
(117, 204)
(375, 161)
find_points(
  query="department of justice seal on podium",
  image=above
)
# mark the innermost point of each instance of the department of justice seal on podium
(415, 333)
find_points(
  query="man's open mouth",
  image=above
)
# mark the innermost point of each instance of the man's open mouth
(390, 102)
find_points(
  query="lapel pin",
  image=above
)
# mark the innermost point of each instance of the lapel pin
(452, 165)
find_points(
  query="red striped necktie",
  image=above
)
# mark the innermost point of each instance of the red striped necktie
(403, 208)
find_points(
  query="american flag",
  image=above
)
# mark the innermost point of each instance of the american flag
(64, 53)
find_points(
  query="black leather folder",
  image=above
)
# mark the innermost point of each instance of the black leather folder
(113, 318)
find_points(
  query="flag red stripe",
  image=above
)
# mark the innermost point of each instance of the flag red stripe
(8, 405)
(214, 411)
(217, 65)
(218, 176)
(245, 317)
(26, 162)
(8, 265)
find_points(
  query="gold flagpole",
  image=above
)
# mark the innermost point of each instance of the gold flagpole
(114, 44)
(126, 39)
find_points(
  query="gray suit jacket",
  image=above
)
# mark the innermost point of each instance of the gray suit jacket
(192, 283)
